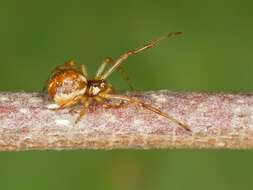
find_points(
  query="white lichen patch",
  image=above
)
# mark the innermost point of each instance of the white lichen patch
(52, 106)
(62, 121)
(27, 137)
(111, 118)
(24, 110)
(221, 144)
(3, 126)
(4, 99)
(139, 125)
(160, 98)
(235, 119)
(237, 110)
(250, 112)
(240, 101)
(35, 100)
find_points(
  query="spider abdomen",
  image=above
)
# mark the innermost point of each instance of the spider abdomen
(66, 85)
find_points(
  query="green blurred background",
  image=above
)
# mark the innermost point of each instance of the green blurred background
(214, 54)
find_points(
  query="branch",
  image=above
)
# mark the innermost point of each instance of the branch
(216, 120)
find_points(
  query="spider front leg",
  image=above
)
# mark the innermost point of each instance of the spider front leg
(103, 65)
(121, 70)
(146, 106)
(126, 55)
(84, 70)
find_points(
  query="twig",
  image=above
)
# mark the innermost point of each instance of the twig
(217, 120)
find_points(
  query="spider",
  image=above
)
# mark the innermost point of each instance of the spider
(69, 85)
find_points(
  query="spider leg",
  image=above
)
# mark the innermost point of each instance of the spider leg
(44, 89)
(113, 105)
(125, 76)
(107, 105)
(69, 103)
(71, 64)
(103, 65)
(84, 70)
(86, 102)
(147, 106)
(67, 65)
(120, 69)
(125, 56)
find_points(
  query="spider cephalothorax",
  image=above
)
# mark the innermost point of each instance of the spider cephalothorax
(69, 85)
(96, 86)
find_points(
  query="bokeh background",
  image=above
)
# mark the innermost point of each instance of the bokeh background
(213, 54)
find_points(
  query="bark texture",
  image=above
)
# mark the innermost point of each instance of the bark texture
(217, 121)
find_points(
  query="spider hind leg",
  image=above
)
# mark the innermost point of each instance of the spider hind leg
(149, 107)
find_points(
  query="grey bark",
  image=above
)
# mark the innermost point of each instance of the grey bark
(216, 120)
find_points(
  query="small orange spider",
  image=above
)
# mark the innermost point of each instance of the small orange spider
(69, 85)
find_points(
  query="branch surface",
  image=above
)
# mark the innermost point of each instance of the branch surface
(217, 121)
